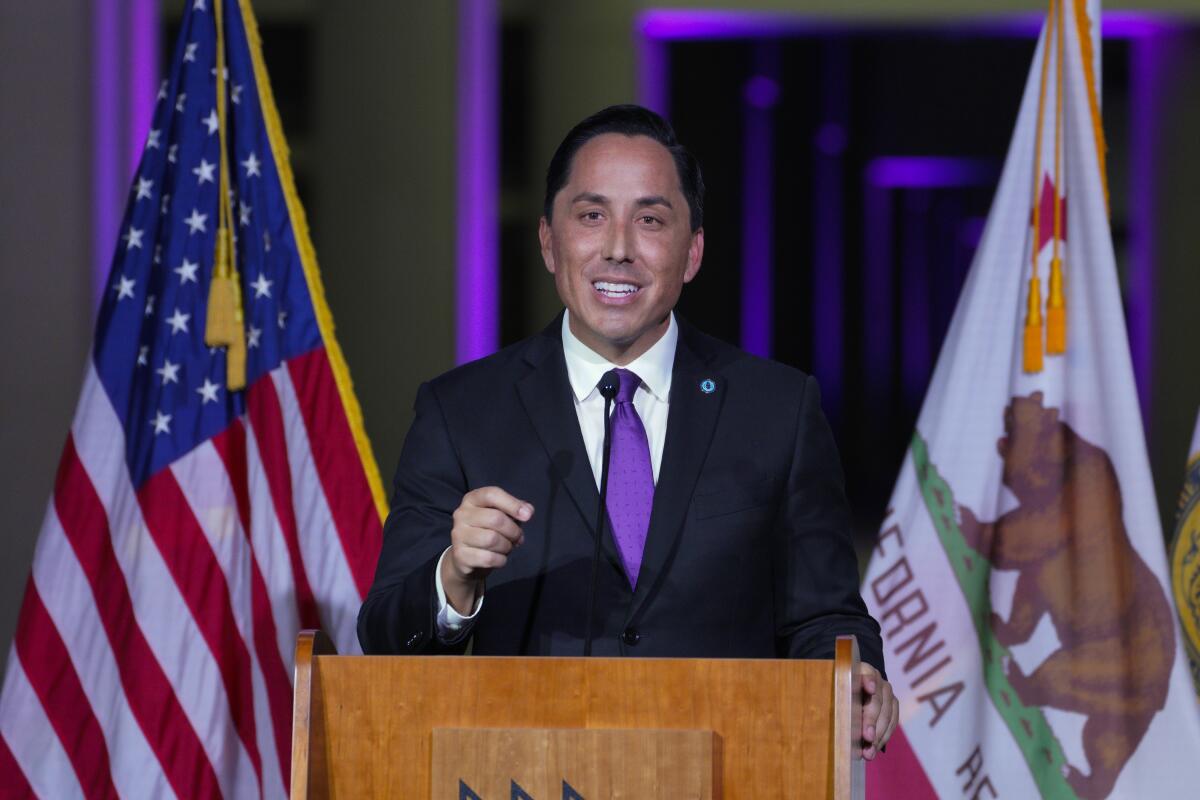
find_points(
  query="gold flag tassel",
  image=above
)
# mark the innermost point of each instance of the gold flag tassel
(225, 320)
(1033, 327)
(1032, 350)
(1056, 307)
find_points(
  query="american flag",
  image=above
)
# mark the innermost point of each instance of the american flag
(194, 528)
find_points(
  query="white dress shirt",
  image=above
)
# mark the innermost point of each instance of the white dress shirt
(585, 367)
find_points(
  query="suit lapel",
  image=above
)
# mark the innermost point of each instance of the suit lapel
(546, 395)
(691, 421)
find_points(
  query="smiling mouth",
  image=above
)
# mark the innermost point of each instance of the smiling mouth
(616, 290)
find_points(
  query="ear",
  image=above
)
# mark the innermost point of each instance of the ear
(695, 255)
(546, 238)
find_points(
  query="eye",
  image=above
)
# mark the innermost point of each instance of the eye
(591, 216)
(648, 219)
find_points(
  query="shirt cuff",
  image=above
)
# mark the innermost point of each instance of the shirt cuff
(452, 627)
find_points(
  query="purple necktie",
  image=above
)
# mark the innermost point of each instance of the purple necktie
(630, 478)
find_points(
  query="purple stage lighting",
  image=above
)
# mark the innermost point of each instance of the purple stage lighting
(477, 290)
(125, 43)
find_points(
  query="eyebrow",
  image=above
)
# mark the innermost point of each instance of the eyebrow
(642, 202)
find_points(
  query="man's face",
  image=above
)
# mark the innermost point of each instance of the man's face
(620, 246)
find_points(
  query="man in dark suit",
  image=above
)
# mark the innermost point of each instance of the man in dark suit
(729, 523)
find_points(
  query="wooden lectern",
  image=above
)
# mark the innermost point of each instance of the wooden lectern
(503, 728)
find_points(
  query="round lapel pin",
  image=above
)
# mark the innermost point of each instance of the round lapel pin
(708, 386)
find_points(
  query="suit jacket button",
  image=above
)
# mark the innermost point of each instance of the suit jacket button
(413, 640)
(631, 636)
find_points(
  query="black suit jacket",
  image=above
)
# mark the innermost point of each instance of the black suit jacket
(748, 552)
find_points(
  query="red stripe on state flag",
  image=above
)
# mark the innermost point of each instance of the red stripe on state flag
(150, 696)
(16, 785)
(338, 463)
(201, 582)
(266, 421)
(54, 680)
(898, 774)
(231, 447)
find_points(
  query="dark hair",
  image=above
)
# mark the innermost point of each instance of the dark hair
(629, 120)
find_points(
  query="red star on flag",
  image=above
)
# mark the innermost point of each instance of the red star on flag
(1046, 206)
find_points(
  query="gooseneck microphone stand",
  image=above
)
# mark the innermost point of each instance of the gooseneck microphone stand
(609, 384)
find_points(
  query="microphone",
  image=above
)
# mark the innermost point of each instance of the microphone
(609, 383)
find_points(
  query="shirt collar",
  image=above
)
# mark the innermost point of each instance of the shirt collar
(654, 367)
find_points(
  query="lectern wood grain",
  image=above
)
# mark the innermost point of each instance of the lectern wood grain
(594, 763)
(367, 731)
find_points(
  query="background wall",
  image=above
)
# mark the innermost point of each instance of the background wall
(368, 95)
(45, 265)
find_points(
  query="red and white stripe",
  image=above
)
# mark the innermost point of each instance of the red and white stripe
(153, 654)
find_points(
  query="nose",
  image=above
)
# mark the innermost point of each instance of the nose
(619, 244)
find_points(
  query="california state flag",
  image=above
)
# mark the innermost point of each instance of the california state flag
(1020, 576)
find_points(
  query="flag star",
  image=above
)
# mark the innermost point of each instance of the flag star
(169, 372)
(196, 222)
(186, 271)
(224, 72)
(198, 6)
(190, 53)
(262, 286)
(282, 319)
(143, 355)
(161, 422)
(144, 185)
(178, 321)
(252, 336)
(172, 152)
(152, 139)
(212, 121)
(149, 304)
(133, 238)
(235, 94)
(166, 204)
(204, 172)
(267, 241)
(179, 102)
(208, 392)
(158, 254)
(124, 288)
(244, 212)
(252, 164)
(162, 90)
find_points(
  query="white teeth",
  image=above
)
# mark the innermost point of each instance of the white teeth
(615, 289)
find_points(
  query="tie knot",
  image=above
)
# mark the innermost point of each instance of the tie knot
(629, 384)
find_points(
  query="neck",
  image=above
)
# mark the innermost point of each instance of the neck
(620, 353)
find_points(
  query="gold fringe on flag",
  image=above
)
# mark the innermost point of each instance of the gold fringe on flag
(225, 323)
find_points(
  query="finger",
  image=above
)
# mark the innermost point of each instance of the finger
(492, 519)
(894, 722)
(495, 497)
(870, 677)
(473, 558)
(870, 718)
(484, 539)
(886, 719)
